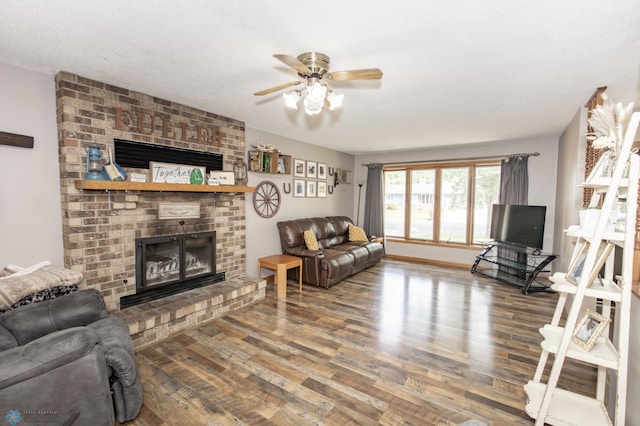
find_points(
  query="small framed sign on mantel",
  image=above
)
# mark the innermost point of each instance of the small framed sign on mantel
(178, 210)
(176, 173)
(13, 139)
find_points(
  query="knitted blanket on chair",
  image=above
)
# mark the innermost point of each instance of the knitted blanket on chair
(16, 283)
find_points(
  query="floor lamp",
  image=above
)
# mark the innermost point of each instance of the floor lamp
(359, 194)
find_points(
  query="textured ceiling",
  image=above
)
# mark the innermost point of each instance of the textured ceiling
(455, 72)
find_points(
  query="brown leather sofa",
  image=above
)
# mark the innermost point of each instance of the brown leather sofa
(337, 257)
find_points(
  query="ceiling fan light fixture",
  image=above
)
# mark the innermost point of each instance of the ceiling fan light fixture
(313, 67)
(313, 107)
(291, 99)
(335, 100)
(314, 101)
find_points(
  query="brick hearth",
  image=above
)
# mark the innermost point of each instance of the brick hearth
(152, 321)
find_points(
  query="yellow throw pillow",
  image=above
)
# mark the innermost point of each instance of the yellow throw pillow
(310, 240)
(357, 234)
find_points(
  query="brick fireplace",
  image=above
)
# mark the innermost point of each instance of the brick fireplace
(100, 227)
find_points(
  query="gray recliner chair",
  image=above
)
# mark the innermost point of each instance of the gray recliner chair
(66, 361)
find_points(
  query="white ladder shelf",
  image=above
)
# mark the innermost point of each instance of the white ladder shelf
(546, 402)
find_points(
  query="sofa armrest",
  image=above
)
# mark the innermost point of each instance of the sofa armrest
(116, 343)
(30, 322)
(302, 252)
(45, 354)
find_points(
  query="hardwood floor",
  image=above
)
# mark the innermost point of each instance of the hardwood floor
(398, 344)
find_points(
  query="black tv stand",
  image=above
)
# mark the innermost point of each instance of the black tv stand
(514, 265)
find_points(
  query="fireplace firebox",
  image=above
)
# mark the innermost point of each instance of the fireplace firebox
(172, 264)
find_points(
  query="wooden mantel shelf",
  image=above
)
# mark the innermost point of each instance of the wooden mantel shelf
(108, 185)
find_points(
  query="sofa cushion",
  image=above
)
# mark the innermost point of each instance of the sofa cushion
(338, 263)
(375, 249)
(360, 255)
(30, 322)
(357, 234)
(45, 354)
(310, 240)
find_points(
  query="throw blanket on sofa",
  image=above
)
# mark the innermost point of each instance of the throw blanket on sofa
(27, 281)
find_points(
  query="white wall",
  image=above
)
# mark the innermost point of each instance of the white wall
(571, 167)
(262, 234)
(542, 181)
(30, 211)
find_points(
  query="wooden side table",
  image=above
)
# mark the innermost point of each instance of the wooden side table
(280, 263)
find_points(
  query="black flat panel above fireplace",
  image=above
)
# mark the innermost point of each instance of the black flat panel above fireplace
(138, 155)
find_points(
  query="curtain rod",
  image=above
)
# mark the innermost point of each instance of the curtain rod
(491, 157)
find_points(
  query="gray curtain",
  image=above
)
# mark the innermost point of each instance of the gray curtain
(374, 202)
(514, 180)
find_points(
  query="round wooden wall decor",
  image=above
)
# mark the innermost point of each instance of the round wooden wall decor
(266, 199)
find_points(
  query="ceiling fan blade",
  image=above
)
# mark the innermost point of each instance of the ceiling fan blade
(294, 63)
(276, 88)
(364, 74)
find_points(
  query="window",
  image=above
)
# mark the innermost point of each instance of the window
(486, 193)
(448, 203)
(422, 205)
(454, 199)
(395, 187)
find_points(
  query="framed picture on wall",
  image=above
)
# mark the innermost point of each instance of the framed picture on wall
(322, 171)
(298, 188)
(312, 171)
(311, 188)
(322, 189)
(299, 168)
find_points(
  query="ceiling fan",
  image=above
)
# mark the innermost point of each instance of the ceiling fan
(313, 67)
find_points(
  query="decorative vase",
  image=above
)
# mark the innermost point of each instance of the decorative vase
(240, 172)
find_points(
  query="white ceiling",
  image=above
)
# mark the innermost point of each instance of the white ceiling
(455, 72)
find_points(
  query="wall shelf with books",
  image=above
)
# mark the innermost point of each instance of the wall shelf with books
(269, 162)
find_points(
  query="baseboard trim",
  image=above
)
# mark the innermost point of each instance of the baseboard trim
(429, 261)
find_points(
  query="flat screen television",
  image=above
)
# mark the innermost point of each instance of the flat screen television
(516, 224)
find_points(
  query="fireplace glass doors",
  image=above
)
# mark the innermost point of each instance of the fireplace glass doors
(174, 259)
